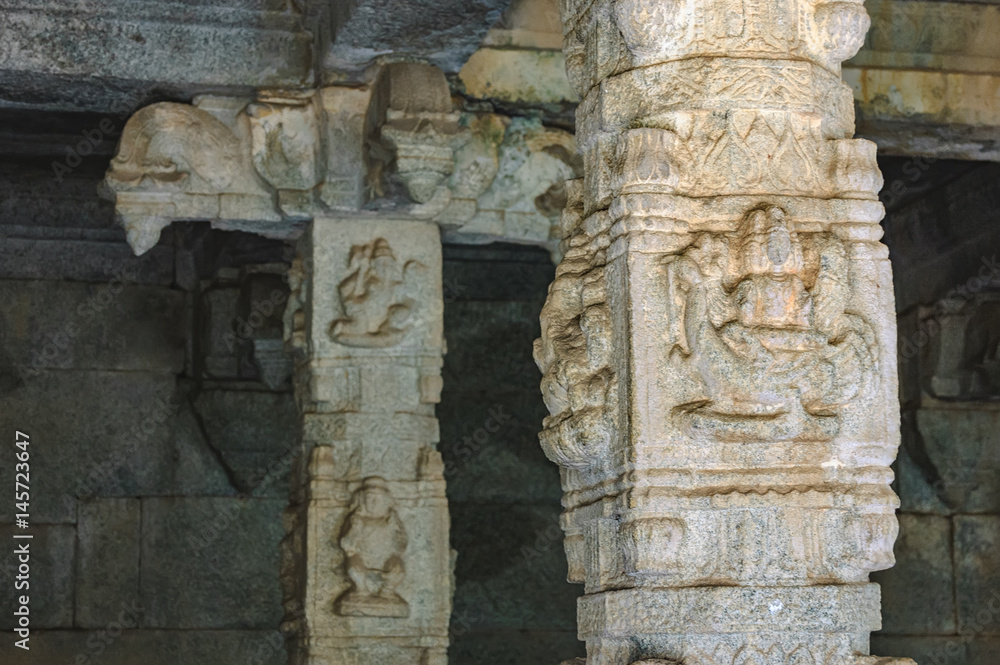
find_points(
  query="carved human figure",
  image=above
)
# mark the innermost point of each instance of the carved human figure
(375, 297)
(373, 540)
(765, 330)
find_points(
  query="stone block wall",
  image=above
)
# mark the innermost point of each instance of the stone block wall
(941, 602)
(156, 490)
(512, 601)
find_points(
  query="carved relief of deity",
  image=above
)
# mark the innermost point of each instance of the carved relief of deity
(758, 320)
(377, 297)
(373, 540)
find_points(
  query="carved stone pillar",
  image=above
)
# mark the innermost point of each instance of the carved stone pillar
(718, 347)
(367, 561)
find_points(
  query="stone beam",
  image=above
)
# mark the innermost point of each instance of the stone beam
(111, 55)
(367, 560)
(271, 163)
(719, 346)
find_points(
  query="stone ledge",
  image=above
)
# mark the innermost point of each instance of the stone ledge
(713, 610)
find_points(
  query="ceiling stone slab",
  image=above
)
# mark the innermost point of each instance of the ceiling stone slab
(442, 32)
(105, 55)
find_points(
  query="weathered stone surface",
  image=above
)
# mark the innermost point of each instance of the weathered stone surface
(496, 272)
(917, 494)
(445, 33)
(367, 568)
(924, 81)
(489, 444)
(93, 433)
(113, 326)
(984, 651)
(958, 361)
(945, 246)
(44, 197)
(83, 261)
(492, 336)
(57, 59)
(480, 177)
(211, 563)
(519, 76)
(718, 346)
(925, 649)
(963, 447)
(108, 560)
(198, 469)
(52, 576)
(917, 593)
(154, 647)
(251, 431)
(977, 573)
(511, 569)
(472, 647)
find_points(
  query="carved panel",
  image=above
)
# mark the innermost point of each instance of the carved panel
(757, 322)
(374, 541)
(377, 297)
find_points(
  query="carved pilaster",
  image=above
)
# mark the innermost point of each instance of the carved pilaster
(718, 347)
(368, 572)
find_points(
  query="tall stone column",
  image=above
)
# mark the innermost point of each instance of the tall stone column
(367, 560)
(718, 346)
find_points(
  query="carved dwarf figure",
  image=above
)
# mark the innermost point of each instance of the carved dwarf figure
(766, 331)
(373, 540)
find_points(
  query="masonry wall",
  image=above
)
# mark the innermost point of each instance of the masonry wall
(512, 601)
(157, 486)
(941, 602)
(162, 427)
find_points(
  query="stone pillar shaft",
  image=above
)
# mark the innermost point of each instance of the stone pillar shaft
(718, 347)
(368, 553)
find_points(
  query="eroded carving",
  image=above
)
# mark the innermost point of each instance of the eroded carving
(289, 156)
(373, 540)
(376, 297)
(760, 318)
